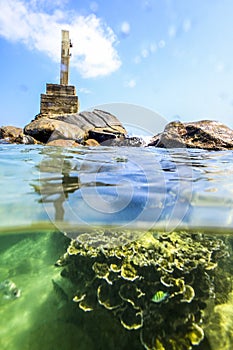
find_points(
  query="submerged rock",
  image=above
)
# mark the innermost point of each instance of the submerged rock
(205, 134)
(9, 290)
(98, 125)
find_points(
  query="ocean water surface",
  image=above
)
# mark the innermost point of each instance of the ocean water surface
(106, 248)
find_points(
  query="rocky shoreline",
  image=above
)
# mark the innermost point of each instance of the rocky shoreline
(99, 127)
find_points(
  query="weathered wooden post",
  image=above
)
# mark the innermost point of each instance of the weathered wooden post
(65, 57)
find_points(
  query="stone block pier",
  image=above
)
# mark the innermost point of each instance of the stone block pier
(59, 99)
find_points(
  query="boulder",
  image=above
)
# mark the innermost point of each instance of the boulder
(125, 142)
(13, 134)
(63, 143)
(91, 143)
(98, 125)
(29, 140)
(205, 134)
(49, 129)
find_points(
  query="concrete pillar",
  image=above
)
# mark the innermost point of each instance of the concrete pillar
(65, 57)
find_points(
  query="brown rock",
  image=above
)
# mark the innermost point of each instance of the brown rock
(98, 125)
(63, 143)
(29, 140)
(11, 132)
(48, 129)
(205, 134)
(91, 143)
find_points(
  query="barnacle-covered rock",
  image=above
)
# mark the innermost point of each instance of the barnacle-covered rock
(156, 284)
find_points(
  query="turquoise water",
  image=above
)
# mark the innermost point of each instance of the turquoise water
(118, 203)
(120, 186)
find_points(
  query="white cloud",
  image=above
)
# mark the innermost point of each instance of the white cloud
(125, 28)
(93, 53)
(131, 83)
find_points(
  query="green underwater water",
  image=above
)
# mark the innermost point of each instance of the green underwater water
(44, 316)
(37, 318)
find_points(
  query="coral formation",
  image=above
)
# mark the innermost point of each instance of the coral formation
(157, 285)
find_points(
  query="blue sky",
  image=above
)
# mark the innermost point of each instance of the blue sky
(170, 56)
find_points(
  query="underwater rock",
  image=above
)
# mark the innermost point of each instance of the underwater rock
(60, 293)
(157, 285)
(205, 134)
(219, 328)
(9, 290)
